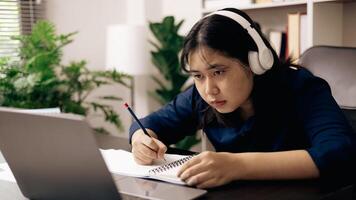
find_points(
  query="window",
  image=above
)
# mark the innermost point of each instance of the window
(17, 17)
(9, 26)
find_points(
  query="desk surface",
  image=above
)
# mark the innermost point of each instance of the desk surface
(237, 190)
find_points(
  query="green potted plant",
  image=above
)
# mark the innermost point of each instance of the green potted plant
(39, 79)
(165, 58)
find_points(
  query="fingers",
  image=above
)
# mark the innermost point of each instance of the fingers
(162, 148)
(209, 183)
(196, 176)
(142, 161)
(145, 148)
(150, 142)
(146, 152)
(204, 171)
(156, 147)
(192, 162)
(199, 179)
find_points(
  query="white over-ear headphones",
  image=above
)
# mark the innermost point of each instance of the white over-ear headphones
(260, 61)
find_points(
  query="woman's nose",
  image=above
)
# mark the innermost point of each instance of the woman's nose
(210, 87)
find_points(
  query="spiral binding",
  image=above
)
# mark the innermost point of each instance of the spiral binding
(170, 165)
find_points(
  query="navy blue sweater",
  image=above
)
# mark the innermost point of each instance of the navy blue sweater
(293, 111)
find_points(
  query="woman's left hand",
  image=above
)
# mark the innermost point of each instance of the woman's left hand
(209, 169)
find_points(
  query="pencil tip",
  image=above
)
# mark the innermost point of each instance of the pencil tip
(126, 105)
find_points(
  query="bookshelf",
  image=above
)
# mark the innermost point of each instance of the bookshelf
(329, 22)
(235, 4)
(253, 6)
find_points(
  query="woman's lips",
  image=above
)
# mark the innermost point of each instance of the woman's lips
(217, 104)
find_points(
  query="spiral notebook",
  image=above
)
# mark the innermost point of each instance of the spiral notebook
(122, 162)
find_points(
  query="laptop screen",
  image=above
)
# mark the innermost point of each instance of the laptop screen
(54, 157)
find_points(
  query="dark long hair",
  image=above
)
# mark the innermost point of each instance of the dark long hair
(224, 35)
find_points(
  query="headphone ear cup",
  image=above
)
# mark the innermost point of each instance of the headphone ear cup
(266, 58)
(254, 63)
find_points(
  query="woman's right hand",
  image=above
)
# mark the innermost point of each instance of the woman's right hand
(146, 149)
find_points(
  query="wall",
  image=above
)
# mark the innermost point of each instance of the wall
(190, 11)
(141, 12)
(90, 19)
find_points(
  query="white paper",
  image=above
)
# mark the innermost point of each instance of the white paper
(6, 173)
(122, 162)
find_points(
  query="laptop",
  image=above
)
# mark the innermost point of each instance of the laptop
(56, 157)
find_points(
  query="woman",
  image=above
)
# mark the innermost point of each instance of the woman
(266, 119)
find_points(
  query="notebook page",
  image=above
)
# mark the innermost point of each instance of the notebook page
(122, 162)
(168, 172)
(168, 175)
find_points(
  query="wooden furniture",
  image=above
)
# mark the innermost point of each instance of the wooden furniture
(330, 22)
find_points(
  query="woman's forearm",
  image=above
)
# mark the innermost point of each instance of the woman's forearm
(296, 164)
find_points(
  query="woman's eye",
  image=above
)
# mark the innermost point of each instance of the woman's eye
(197, 76)
(219, 72)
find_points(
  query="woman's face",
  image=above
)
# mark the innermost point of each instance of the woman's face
(223, 82)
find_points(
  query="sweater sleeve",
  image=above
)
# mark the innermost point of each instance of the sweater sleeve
(174, 121)
(332, 138)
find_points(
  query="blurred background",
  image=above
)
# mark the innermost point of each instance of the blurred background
(129, 36)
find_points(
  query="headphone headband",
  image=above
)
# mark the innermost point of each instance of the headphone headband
(265, 55)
